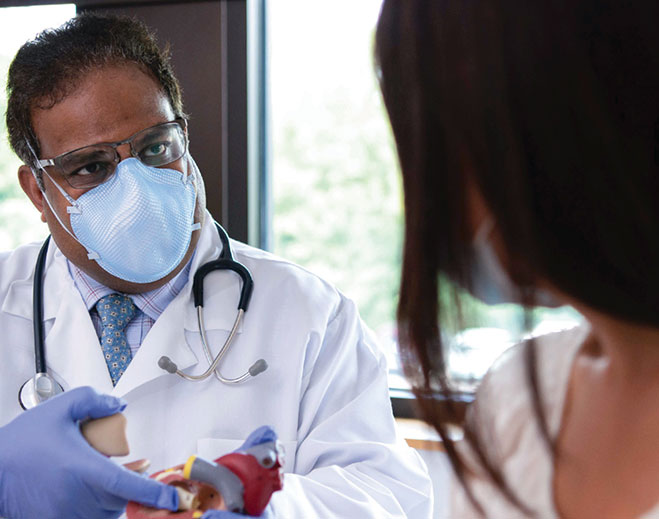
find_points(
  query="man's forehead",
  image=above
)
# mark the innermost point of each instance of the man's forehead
(108, 104)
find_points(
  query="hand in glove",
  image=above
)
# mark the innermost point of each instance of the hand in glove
(48, 470)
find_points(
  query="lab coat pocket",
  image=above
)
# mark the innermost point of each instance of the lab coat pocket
(213, 448)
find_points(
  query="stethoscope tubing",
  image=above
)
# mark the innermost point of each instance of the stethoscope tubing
(42, 386)
(37, 301)
(226, 261)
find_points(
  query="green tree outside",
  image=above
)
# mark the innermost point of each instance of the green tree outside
(19, 220)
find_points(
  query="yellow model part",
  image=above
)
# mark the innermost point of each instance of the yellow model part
(188, 466)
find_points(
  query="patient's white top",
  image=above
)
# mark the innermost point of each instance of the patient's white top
(503, 415)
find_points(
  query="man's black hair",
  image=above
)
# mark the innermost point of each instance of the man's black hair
(50, 67)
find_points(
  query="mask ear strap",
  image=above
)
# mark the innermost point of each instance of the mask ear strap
(68, 197)
(71, 209)
(90, 254)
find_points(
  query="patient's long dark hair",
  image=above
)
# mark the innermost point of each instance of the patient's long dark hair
(551, 109)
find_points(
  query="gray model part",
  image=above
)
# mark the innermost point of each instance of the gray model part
(222, 479)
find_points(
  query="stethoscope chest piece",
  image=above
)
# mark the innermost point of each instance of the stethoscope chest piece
(38, 389)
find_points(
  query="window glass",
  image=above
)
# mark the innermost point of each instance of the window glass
(335, 180)
(337, 206)
(19, 220)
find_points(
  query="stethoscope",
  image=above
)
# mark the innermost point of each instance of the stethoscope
(42, 386)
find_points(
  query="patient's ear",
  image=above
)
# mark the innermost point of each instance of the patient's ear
(31, 188)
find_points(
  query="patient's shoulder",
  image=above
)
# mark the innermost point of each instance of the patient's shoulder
(503, 418)
(503, 402)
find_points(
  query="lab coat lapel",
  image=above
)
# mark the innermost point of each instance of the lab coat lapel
(73, 351)
(166, 337)
(56, 280)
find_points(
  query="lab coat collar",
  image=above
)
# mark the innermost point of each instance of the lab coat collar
(73, 352)
(56, 280)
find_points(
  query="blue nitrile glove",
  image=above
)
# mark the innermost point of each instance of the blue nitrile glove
(258, 436)
(48, 470)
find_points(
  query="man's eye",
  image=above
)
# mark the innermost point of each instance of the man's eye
(155, 150)
(93, 168)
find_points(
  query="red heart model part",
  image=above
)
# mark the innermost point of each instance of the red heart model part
(241, 482)
(205, 498)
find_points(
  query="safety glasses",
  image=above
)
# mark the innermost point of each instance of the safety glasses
(92, 165)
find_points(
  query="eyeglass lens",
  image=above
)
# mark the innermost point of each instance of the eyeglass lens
(93, 165)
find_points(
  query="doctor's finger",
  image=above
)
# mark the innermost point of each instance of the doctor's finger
(85, 402)
(261, 435)
(133, 487)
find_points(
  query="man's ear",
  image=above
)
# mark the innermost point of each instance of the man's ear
(31, 188)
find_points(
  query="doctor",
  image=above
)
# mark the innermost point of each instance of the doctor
(129, 232)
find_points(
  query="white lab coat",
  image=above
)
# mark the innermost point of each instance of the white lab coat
(325, 391)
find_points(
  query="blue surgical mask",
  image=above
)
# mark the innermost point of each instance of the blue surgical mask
(138, 225)
(490, 282)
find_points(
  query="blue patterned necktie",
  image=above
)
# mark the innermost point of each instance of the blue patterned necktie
(115, 311)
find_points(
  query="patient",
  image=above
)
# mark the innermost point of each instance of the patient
(528, 138)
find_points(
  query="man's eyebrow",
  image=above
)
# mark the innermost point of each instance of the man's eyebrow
(158, 130)
(89, 151)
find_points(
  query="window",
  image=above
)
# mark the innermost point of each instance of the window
(336, 193)
(19, 220)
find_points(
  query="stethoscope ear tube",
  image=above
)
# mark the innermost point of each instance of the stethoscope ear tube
(226, 261)
(223, 264)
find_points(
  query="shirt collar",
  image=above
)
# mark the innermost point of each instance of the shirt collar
(152, 303)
